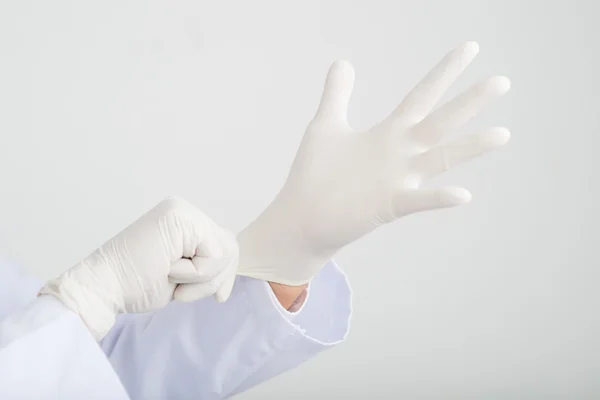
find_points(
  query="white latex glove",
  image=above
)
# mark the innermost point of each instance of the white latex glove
(139, 270)
(343, 184)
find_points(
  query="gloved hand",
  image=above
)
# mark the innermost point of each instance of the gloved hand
(343, 184)
(173, 251)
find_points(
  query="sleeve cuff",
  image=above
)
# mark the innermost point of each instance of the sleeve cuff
(324, 318)
(323, 322)
(34, 316)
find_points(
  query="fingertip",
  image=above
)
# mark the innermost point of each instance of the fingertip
(337, 92)
(342, 69)
(501, 84)
(499, 136)
(341, 77)
(184, 294)
(471, 47)
(457, 196)
(222, 296)
(465, 53)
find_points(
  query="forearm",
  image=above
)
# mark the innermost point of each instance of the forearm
(46, 343)
(203, 349)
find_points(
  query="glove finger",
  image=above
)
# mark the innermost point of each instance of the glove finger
(415, 200)
(188, 292)
(228, 243)
(197, 270)
(194, 291)
(210, 248)
(459, 110)
(182, 271)
(441, 158)
(425, 95)
(337, 92)
(225, 290)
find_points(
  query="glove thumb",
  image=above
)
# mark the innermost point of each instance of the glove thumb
(220, 287)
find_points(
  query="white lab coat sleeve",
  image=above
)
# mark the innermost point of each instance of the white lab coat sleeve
(17, 287)
(46, 352)
(206, 350)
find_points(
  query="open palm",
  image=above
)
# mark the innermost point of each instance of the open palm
(344, 183)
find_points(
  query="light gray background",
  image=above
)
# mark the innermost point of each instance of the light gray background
(106, 107)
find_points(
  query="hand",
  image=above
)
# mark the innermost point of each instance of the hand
(343, 184)
(173, 251)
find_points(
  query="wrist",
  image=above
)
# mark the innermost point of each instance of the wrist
(290, 297)
(278, 256)
(275, 248)
(97, 313)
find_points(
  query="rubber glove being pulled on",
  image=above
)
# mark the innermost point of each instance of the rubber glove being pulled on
(173, 251)
(343, 183)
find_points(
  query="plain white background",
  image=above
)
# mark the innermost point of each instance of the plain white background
(106, 107)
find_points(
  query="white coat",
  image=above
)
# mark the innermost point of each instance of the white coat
(201, 350)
